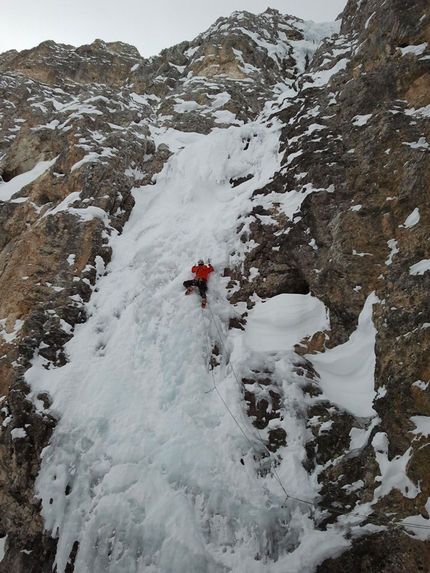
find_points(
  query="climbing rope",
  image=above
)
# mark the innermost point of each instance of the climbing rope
(241, 385)
(216, 388)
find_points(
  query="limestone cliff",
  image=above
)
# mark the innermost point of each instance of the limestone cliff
(81, 127)
(357, 146)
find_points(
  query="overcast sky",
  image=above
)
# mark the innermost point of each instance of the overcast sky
(150, 25)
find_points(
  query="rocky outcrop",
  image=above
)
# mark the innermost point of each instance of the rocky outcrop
(382, 553)
(228, 73)
(27, 427)
(56, 64)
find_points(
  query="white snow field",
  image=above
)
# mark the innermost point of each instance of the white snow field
(150, 469)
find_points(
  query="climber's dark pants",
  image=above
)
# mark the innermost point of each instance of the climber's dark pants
(201, 284)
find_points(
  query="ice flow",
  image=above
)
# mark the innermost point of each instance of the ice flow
(148, 470)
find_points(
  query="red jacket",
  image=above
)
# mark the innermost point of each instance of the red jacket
(202, 271)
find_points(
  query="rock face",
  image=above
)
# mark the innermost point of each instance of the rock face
(80, 128)
(364, 135)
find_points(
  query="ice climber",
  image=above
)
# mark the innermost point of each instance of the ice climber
(202, 273)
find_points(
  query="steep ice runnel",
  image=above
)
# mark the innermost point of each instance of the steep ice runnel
(144, 468)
